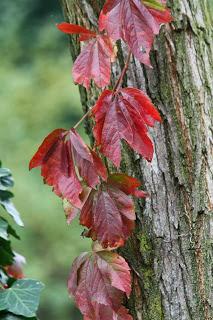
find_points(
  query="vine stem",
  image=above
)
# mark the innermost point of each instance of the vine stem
(82, 118)
(120, 79)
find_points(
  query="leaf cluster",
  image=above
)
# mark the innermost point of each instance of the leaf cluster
(19, 298)
(78, 174)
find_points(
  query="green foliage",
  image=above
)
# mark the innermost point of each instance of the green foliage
(6, 253)
(6, 181)
(22, 298)
(10, 316)
(3, 229)
(6, 230)
(36, 84)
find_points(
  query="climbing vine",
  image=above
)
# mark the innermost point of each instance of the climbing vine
(100, 279)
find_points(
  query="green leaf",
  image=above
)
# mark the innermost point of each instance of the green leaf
(3, 229)
(10, 316)
(154, 4)
(5, 195)
(10, 208)
(6, 253)
(22, 298)
(6, 229)
(6, 179)
(3, 277)
(12, 232)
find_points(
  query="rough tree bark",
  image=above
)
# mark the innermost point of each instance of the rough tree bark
(170, 251)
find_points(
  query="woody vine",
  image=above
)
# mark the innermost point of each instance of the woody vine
(99, 280)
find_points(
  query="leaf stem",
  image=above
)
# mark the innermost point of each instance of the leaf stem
(82, 118)
(120, 79)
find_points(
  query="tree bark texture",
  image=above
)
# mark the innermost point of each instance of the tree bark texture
(170, 251)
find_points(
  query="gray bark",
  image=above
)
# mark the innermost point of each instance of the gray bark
(170, 251)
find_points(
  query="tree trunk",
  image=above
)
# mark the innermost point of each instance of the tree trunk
(170, 251)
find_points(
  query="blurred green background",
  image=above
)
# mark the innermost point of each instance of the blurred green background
(37, 95)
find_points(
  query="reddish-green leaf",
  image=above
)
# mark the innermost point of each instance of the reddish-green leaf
(127, 184)
(155, 4)
(124, 115)
(94, 61)
(99, 282)
(71, 211)
(109, 212)
(158, 10)
(135, 22)
(59, 156)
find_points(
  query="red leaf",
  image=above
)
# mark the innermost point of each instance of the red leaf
(99, 282)
(101, 169)
(94, 61)
(57, 167)
(47, 144)
(70, 28)
(110, 216)
(59, 155)
(117, 269)
(163, 15)
(133, 22)
(87, 161)
(125, 115)
(106, 313)
(109, 212)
